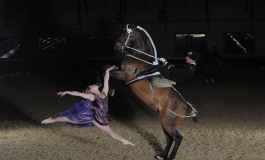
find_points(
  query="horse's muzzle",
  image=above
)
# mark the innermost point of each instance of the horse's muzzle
(120, 49)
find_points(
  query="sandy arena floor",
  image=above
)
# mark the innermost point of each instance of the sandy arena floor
(231, 121)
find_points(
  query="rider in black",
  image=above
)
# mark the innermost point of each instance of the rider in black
(168, 71)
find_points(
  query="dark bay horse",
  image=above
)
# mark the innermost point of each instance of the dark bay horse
(139, 52)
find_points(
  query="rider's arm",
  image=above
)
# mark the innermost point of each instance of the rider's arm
(169, 65)
(164, 63)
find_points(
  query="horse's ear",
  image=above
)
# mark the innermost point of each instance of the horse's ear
(130, 25)
(129, 28)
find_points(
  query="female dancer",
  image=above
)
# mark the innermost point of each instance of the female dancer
(91, 111)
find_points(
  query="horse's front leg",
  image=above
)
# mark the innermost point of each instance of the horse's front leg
(118, 74)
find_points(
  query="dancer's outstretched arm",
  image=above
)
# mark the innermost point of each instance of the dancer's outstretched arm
(76, 93)
(106, 80)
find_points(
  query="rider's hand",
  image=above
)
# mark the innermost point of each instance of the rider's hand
(162, 61)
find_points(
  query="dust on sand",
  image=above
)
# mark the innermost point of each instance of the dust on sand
(230, 122)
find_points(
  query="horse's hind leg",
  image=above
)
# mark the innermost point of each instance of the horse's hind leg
(169, 140)
(171, 135)
(178, 138)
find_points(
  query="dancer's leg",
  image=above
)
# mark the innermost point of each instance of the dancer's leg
(59, 119)
(111, 133)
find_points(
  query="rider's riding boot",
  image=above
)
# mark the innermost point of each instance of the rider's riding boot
(138, 72)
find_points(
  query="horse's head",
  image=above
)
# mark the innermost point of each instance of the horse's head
(136, 42)
(126, 38)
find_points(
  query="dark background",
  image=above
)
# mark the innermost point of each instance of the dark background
(90, 28)
(74, 36)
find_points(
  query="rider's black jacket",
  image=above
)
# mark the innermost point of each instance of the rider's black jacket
(176, 74)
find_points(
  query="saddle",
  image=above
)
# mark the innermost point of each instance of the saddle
(155, 79)
(161, 82)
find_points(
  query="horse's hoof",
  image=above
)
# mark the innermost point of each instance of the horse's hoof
(159, 157)
(194, 119)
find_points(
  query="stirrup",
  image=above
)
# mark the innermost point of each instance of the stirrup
(137, 72)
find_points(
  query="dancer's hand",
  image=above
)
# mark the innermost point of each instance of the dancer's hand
(111, 68)
(61, 93)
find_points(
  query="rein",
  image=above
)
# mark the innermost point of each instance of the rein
(193, 113)
(129, 31)
(138, 59)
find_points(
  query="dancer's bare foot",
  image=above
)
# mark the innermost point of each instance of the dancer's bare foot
(48, 120)
(126, 142)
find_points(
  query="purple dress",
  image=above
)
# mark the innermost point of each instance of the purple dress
(101, 109)
(86, 111)
(82, 112)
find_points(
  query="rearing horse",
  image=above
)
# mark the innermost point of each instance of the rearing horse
(140, 52)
